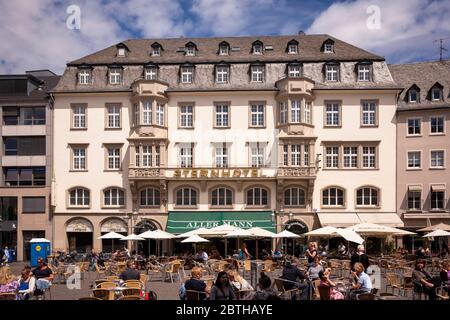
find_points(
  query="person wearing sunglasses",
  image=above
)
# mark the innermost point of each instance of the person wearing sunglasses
(44, 277)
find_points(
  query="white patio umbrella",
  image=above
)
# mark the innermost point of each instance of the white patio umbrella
(111, 235)
(156, 235)
(437, 233)
(237, 233)
(331, 232)
(286, 234)
(259, 233)
(439, 226)
(132, 237)
(194, 239)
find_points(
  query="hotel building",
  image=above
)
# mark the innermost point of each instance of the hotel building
(423, 144)
(25, 159)
(274, 131)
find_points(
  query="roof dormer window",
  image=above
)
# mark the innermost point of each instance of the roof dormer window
(257, 47)
(156, 49)
(292, 47)
(413, 96)
(121, 52)
(190, 49)
(436, 93)
(224, 49)
(328, 46)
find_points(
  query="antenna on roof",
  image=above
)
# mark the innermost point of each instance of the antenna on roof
(441, 46)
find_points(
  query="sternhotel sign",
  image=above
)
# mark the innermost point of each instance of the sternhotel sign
(217, 173)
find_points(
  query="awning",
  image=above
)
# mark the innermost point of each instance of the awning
(438, 187)
(385, 219)
(415, 187)
(338, 219)
(184, 221)
(348, 219)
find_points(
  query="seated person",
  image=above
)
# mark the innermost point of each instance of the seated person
(196, 284)
(44, 277)
(292, 274)
(265, 291)
(325, 281)
(130, 273)
(27, 283)
(313, 270)
(445, 276)
(8, 283)
(427, 283)
(363, 283)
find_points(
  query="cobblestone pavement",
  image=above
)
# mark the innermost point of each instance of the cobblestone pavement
(164, 290)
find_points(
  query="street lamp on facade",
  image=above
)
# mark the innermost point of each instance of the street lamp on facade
(132, 217)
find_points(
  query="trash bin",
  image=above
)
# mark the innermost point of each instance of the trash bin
(40, 248)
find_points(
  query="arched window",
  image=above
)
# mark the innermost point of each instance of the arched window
(294, 197)
(79, 197)
(221, 196)
(257, 197)
(186, 197)
(113, 197)
(333, 196)
(150, 197)
(367, 196)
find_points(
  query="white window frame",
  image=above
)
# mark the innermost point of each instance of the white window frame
(364, 195)
(151, 73)
(294, 71)
(84, 77)
(113, 159)
(409, 96)
(369, 113)
(296, 154)
(257, 48)
(156, 51)
(116, 196)
(417, 205)
(187, 74)
(221, 156)
(79, 116)
(435, 201)
(332, 157)
(113, 116)
(306, 155)
(332, 114)
(414, 127)
(433, 91)
(186, 156)
(307, 112)
(79, 155)
(222, 74)
(438, 157)
(186, 201)
(82, 197)
(299, 201)
(257, 114)
(190, 50)
(369, 158)
(437, 126)
(296, 111)
(328, 47)
(364, 71)
(257, 74)
(115, 76)
(350, 157)
(147, 112)
(137, 114)
(257, 201)
(293, 48)
(223, 50)
(334, 199)
(222, 115)
(147, 156)
(121, 52)
(160, 110)
(186, 116)
(283, 107)
(257, 152)
(331, 72)
(414, 159)
(286, 155)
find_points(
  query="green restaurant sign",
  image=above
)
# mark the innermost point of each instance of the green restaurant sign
(184, 221)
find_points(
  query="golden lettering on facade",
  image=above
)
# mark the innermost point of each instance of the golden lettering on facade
(245, 172)
(194, 173)
(214, 173)
(254, 173)
(203, 173)
(186, 173)
(177, 173)
(226, 173)
(236, 173)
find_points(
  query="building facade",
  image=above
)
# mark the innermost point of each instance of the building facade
(423, 119)
(25, 159)
(276, 131)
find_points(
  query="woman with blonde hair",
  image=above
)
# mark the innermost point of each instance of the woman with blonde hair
(8, 282)
(237, 282)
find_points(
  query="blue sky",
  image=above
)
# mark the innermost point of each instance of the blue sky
(34, 33)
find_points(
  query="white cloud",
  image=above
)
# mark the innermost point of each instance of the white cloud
(407, 29)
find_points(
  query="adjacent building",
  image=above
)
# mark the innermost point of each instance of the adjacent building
(423, 121)
(25, 158)
(279, 132)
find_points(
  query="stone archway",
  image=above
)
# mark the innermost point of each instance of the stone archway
(148, 246)
(298, 227)
(79, 235)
